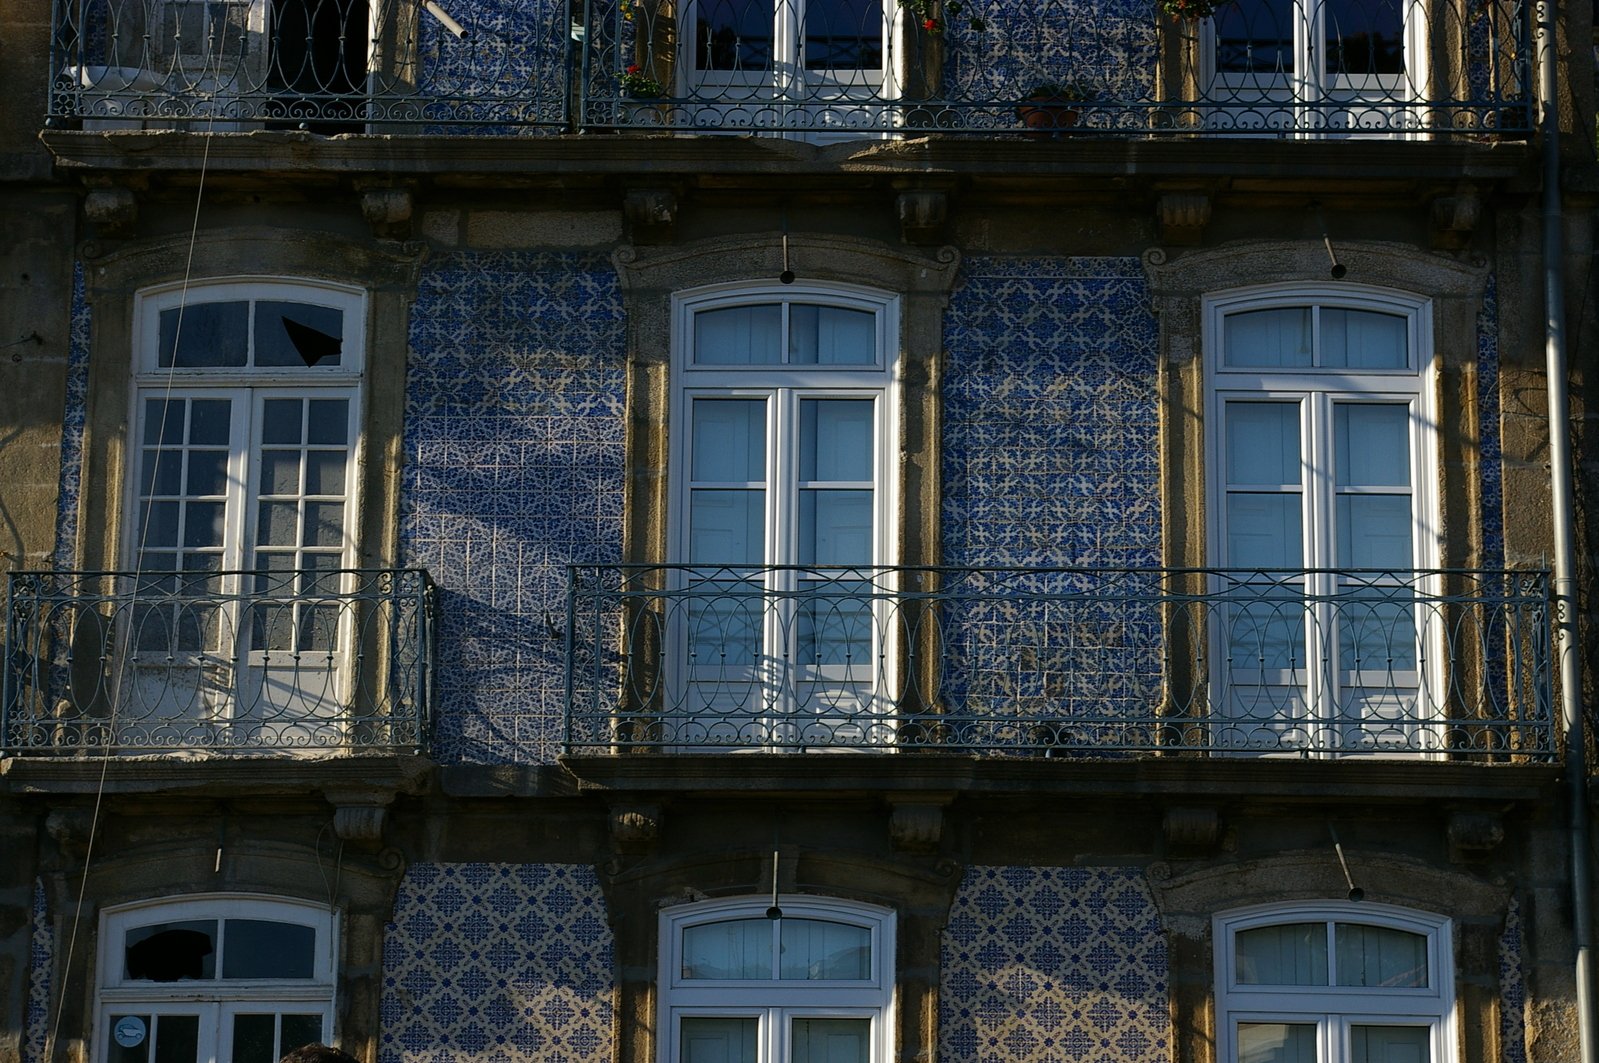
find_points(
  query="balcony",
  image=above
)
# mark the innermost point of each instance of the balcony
(1072, 663)
(810, 69)
(227, 663)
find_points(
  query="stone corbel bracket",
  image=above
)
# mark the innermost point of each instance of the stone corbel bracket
(388, 209)
(923, 214)
(1192, 827)
(71, 828)
(651, 214)
(1181, 217)
(1453, 218)
(360, 816)
(1474, 833)
(112, 209)
(635, 827)
(916, 824)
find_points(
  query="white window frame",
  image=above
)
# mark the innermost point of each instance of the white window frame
(783, 386)
(775, 1001)
(247, 387)
(1331, 1008)
(218, 1000)
(811, 97)
(1317, 390)
(1306, 90)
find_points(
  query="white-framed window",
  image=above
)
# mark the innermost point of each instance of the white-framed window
(815, 985)
(1322, 451)
(782, 511)
(1320, 66)
(1333, 982)
(220, 978)
(791, 63)
(247, 407)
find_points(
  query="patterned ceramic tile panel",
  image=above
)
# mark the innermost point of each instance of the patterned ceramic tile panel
(72, 422)
(1053, 964)
(1050, 457)
(1108, 47)
(513, 469)
(1493, 531)
(509, 71)
(36, 1026)
(499, 963)
(1512, 990)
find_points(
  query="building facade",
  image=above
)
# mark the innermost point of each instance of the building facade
(820, 531)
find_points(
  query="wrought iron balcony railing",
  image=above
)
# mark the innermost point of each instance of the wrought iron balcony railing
(225, 662)
(819, 68)
(1060, 662)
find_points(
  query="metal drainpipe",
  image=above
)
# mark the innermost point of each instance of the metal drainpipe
(1561, 489)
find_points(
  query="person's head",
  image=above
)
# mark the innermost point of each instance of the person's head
(318, 1053)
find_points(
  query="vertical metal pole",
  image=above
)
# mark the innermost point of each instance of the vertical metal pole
(1561, 475)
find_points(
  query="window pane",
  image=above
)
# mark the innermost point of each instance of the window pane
(1276, 1042)
(843, 34)
(729, 444)
(255, 1039)
(1381, 956)
(739, 335)
(1374, 531)
(815, 949)
(1362, 339)
(1373, 444)
(832, 1041)
(1264, 531)
(1263, 444)
(210, 422)
(833, 624)
(1280, 337)
(259, 948)
(835, 527)
(836, 440)
(170, 952)
(130, 1038)
(207, 474)
(1364, 37)
(718, 1040)
(1288, 954)
(177, 1038)
(281, 421)
(297, 334)
(324, 472)
(299, 1030)
(204, 335)
(1377, 630)
(726, 527)
(832, 335)
(329, 422)
(1390, 1044)
(736, 948)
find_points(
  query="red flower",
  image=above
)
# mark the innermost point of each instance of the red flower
(632, 68)
(929, 23)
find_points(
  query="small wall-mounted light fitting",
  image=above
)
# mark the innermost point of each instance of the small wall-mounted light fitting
(1355, 892)
(787, 276)
(774, 912)
(444, 19)
(1338, 269)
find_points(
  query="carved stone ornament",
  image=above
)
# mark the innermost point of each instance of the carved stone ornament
(635, 826)
(70, 828)
(1475, 831)
(916, 826)
(388, 211)
(1192, 827)
(112, 209)
(922, 215)
(359, 818)
(650, 212)
(1183, 217)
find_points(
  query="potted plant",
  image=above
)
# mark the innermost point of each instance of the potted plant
(636, 83)
(1189, 10)
(926, 13)
(1047, 107)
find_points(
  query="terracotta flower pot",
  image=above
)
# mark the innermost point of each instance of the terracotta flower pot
(1045, 116)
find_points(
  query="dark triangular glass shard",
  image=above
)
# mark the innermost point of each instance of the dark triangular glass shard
(312, 344)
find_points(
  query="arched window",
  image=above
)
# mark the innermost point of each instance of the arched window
(813, 986)
(783, 425)
(1322, 454)
(1333, 983)
(206, 979)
